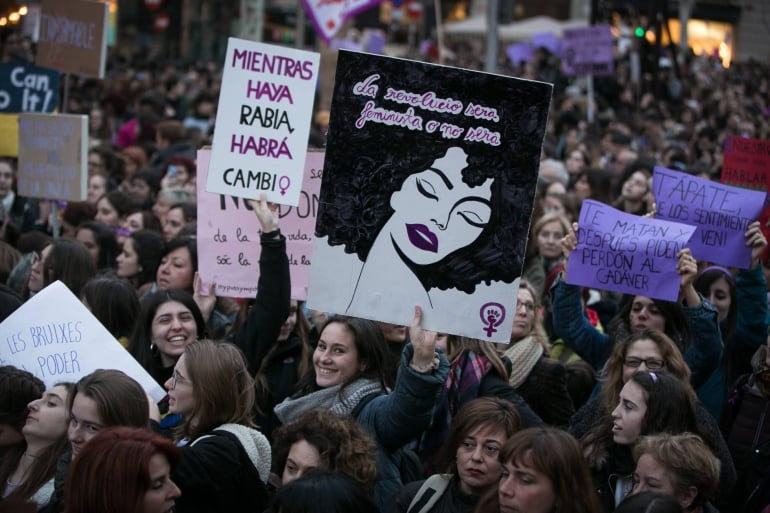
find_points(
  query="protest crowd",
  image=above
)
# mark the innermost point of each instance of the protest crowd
(601, 402)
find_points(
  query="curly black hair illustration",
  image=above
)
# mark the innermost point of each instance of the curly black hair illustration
(367, 165)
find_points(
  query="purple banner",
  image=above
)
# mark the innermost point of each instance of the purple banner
(519, 52)
(625, 253)
(547, 40)
(587, 50)
(721, 214)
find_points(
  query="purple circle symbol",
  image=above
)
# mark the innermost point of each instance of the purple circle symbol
(284, 183)
(492, 315)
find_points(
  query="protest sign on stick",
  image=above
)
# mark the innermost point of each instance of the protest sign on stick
(427, 194)
(228, 235)
(587, 51)
(56, 338)
(625, 253)
(73, 37)
(263, 122)
(721, 213)
(53, 156)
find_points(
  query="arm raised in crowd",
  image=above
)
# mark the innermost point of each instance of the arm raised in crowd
(263, 324)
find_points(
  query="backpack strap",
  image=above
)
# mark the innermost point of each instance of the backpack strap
(429, 493)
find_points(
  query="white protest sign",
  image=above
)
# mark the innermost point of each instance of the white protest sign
(53, 153)
(56, 338)
(263, 122)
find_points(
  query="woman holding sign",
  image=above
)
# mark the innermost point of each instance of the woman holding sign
(350, 376)
(691, 323)
(741, 302)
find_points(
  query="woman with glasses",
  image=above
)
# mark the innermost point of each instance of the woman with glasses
(540, 380)
(651, 351)
(690, 322)
(225, 461)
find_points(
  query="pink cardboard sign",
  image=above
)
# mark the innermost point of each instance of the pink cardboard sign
(228, 235)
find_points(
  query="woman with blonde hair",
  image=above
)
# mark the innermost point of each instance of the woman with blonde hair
(681, 466)
(544, 253)
(226, 462)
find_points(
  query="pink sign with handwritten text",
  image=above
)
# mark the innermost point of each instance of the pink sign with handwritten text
(228, 234)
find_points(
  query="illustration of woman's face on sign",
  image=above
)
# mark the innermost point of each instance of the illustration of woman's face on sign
(436, 212)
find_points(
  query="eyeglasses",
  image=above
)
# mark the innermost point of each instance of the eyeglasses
(650, 363)
(177, 378)
(529, 307)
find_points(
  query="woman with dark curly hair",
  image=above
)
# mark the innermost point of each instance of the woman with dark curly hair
(321, 439)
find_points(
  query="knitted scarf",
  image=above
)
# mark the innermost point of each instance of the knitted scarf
(335, 399)
(462, 385)
(524, 355)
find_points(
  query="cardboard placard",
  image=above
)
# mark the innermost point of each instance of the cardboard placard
(53, 156)
(26, 88)
(721, 213)
(587, 51)
(626, 253)
(228, 235)
(73, 37)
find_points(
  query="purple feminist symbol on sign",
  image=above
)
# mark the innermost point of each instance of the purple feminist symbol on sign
(492, 315)
(283, 183)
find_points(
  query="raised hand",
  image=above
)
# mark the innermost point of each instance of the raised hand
(267, 213)
(687, 267)
(757, 241)
(569, 243)
(425, 357)
(205, 302)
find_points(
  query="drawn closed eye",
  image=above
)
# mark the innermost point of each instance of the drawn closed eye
(473, 218)
(426, 189)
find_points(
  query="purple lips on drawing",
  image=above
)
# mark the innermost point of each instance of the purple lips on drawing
(422, 238)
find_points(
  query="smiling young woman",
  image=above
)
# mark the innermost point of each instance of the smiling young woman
(352, 362)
